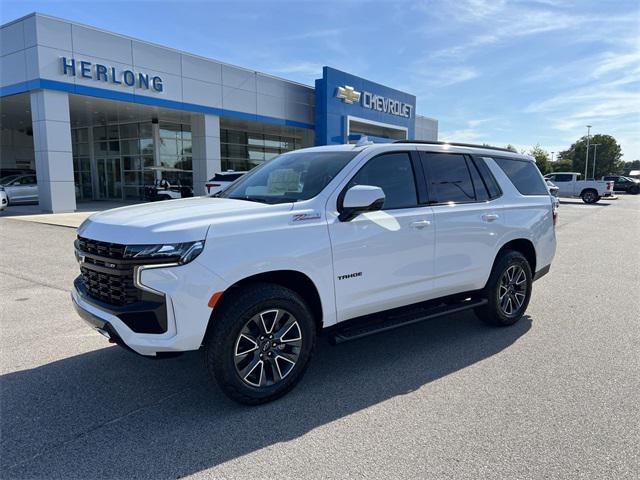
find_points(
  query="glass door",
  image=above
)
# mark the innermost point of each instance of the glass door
(109, 178)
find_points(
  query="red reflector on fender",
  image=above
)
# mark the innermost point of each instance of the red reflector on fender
(214, 299)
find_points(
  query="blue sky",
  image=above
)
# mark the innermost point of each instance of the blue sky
(520, 72)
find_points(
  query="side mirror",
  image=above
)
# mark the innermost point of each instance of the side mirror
(359, 199)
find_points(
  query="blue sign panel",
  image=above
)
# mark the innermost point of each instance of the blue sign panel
(340, 95)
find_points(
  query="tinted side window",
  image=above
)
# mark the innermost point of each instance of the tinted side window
(524, 175)
(448, 178)
(563, 177)
(393, 173)
(489, 179)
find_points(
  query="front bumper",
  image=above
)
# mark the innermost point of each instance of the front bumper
(186, 290)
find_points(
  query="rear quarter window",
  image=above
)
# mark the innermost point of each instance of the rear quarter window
(524, 175)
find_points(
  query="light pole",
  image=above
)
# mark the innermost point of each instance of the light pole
(586, 160)
(595, 157)
(552, 156)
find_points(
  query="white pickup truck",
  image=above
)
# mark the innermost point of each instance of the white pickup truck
(570, 185)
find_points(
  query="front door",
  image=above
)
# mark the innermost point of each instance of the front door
(109, 179)
(384, 259)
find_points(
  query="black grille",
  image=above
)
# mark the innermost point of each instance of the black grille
(103, 249)
(106, 276)
(114, 289)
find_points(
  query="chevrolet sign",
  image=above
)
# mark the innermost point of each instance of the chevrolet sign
(374, 102)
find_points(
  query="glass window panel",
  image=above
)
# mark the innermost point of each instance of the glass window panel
(132, 193)
(169, 130)
(237, 151)
(394, 174)
(168, 146)
(167, 161)
(85, 164)
(448, 178)
(186, 132)
(81, 149)
(524, 175)
(255, 139)
(114, 147)
(224, 135)
(129, 130)
(146, 130)
(82, 134)
(236, 137)
(184, 163)
(147, 161)
(129, 147)
(149, 177)
(112, 132)
(256, 154)
(270, 155)
(99, 133)
(272, 141)
(131, 163)
(146, 146)
(100, 149)
(132, 178)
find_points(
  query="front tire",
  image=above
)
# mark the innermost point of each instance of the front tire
(634, 190)
(508, 290)
(260, 343)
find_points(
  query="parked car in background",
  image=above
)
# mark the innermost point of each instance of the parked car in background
(553, 190)
(3, 199)
(222, 180)
(5, 172)
(570, 185)
(20, 188)
(624, 184)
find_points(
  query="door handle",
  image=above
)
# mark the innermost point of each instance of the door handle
(420, 224)
(490, 217)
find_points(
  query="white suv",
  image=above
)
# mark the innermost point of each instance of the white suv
(348, 239)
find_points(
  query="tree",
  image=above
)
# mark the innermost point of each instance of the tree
(608, 159)
(512, 148)
(542, 159)
(628, 166)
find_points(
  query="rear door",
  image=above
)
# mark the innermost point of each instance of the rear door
(384, 259)
(467, 213)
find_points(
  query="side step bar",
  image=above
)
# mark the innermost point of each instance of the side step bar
(372, 324)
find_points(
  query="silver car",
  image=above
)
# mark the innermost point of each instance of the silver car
(20, 188)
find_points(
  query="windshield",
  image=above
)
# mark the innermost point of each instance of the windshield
(289, 177)
(8, 179)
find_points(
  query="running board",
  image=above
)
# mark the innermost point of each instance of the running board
(382, 322)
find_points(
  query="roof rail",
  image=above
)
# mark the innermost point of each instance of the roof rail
(454, 144)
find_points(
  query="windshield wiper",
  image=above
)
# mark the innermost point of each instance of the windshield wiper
(248, 199)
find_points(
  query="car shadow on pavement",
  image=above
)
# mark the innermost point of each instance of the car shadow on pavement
(110, 413)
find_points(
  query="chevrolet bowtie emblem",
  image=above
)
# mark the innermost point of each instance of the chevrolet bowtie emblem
(348, 94)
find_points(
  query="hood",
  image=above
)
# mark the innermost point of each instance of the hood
(169, 221)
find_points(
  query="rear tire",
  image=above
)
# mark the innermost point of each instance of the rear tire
(259, 343)
(590, 196)
(508, 290)
(634, 190)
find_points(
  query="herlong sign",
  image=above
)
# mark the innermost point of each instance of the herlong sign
(112, 75)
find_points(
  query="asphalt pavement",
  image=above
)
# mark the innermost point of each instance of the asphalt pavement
(555, 396)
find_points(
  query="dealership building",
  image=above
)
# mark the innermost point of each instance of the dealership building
(100, 115)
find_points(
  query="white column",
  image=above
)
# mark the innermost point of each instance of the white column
(52, 146)
(205, 137)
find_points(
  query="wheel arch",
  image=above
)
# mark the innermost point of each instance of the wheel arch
(589, 189)
(525, 247)
(293, 279)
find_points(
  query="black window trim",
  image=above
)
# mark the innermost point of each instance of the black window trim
(477, 159)
(413, 160)
(467, 159)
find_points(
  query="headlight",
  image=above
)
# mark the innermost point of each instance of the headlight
(180, 252)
